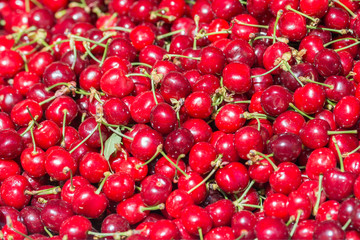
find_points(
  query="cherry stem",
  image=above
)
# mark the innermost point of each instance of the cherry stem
(346, 224)
(161, 206)
(339, 155)
(196, 20)
(33, 140)
(346, 47)
(346, 8)
(141, 64)
(296, 223)
(120, 134)
(105, 53)
(302, 14)
(72, 187)
(20, 233)
(56, 85)
(172, 163)
(136, 75)
(115, 235)
(48, 232)
(118, 29)
(85, 139)
(31, 125)
(101, 140)
(259, 124)
(342, 132)
(201, 236)
(63, 127)
(278, 15)
(243, 195)
(318, 197)
(268, 72)
(254, 152)
(180, 56)
(87, 40)
(288, 67)
(177, 164)
(353, 151)
(32, 117)
(88, 52)
(299, 111)
(342, 31)
(24, 44)
(217, 165)
(251, 205)
(169, 34)
(251, 25)
(53, 190)
(339, 40)
(318, 83)
(158, 150)
(245, 101)
(106, 174)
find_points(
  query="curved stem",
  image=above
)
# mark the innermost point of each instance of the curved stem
(172, 163)
(98, 191)
(169, 34)
(339, 40)
(141, 64)
(318, 83)
(84, 140)
(251, 25)
(243, 195)
(181, 56)
(346, 47)
(105, 53)
(76, 37)
(101, 140)
(268, 72)
(267, 158)
(288, 67)
(301, 13)
(346, 8)
(346, 224)
(278, 15)
(353, 151)
(343, 31)
(299, 111)
(318, 197)
(120, 134)
(153, 208)
(158, 150)
(118, 29)
(56, 85)
(296, 223)
(339, 155)
(33, 140)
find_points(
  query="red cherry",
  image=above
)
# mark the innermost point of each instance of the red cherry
(14, 191)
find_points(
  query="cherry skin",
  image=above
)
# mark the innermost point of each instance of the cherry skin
(347, 111)
(174, 85)
(155, 189)
(9, 97)
(329, 230)
(131, 167)
(164, 167)
(198, 105)
(85, 129)
(9, 233)
(286, 147)
(289, 122)
(93, 166)
(305, 229)
(271, 228)
(194, 217)
(20, 113)
(124, 185)
(320, 160)
(114, 223)
(232, 178)
(277, 94)
(248, 138)
(347, 210)
(75, 227)
(327, 62)
(335, 177)
(299, 202)
(186, 184)
(310, 98)
(141, 36)
(276, 206)
(164, 229)
(8, 168)
(33, 162)
(13, 191)
(201, 157)
(179, 141)
(314, 8)
(31, 219)
(315, 133)
(23, 81)
(142, 106)
(242, 31)
(88, 202)
(200, 130)
(286, 179)
(11, 144)
(47, 130)
(292, 26)
(145, 144)
(177, 201)
(55, 212)
(212, 60)
(59, 163)
(131, 209)
(58, 72)
(163, 118)
(272, 53)
(116, 77)
(11, 63)
(236, 77)
(221, 212)
(226, 146)
(352, 163)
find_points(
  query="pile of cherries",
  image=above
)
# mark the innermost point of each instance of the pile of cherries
(176, 119)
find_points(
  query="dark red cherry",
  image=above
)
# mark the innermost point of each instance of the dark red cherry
(236, 77)
(155, 189)
(327, 62)
(58, 72)
(116, 112)
(292, 26)
(142, 106)
(11, 144)
(275, 100)
(271, 228)
(248, 138)
(90, 126)
(163, 118)
(286, 147)
(334, 178)
(31, 219)
(174, 86)
(178, 142)
(212, 60)
(75, 227)
(55, 212)
(329, 229)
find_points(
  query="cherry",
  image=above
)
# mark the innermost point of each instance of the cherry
(163, 118)
(31, 219)
(89, 201)
(314, 8)
(325, 58)
(289, 122)
(145, 144)
(299, 203)
(198, 105)
(164, 167)
(273, 53)
(141, 36)
(174, 86)
(5, 121)
(243, 31)
(328, 229)
(275, 205)
(305, 229)
(68, 189)
(347, 210)
(75, 227)
(286, 147)
(271, 228)
(115, 77)
(14, 191)
(177, 201)
(151, 54)
(11, 63)
(8, 168)
(351, 163)
(59, 163)
(23, 81)
(90, 127)
(114, 223)
(93, 166)
(55, 212)
(236, 77)
(346, 111)
(16, 231)
(292, 26)
(131, 209)
(47, 130)
(11, 144)
(142, 106)
(310, 98)
(196, 219)
(232, 178)
(187, 183)
(200, 130)
(33, 162)
(124, 185)
(164, 229)
(155, 189)
(202, 157)
(134, 167)
(248, 138)
(226, 146)
(275, 100)
(22, 112)
(335, 177)
(286, 179)
(58, 72)
(312, 44)
(9, 96)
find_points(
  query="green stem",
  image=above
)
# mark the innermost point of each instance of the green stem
(48, 232)
(201, 236)
(106, 174)
(268, 159)
(339, 155)
(278, 15)
(342, 132)
(295, 224)
(84, 140)
(196, 20)
(251, 205)
(63, 126)
(318, 197)
(353, 151)
(268, 72)
(169, 34)
(33, 140)
(76, 37)
(56, 85)
(105, 53)
(141, 64)
(153, 208)
(181, 56)
(346, 47)
(299, 111)
(339, 40)
(31, 125)
(346, 224)
(288, 67)
(301, 13)
(118, 29)
(251, 25)
(327, 29)
(101, 140)
(243, 195)
(158, 150)
(353, 15)
(172, 163)
(318, 83)
(245, 101)
(88, 52)
(120, 134)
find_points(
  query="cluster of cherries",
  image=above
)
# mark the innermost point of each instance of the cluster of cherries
(174, 119)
